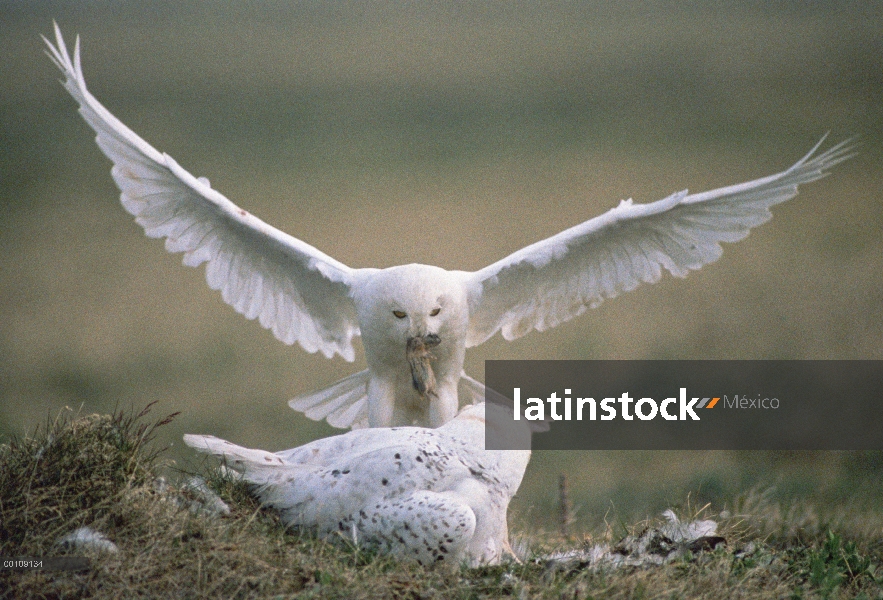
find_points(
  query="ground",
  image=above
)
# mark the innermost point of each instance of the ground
(101, 471)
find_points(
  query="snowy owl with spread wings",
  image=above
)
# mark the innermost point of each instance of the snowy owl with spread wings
(416, 321)
(429, 495)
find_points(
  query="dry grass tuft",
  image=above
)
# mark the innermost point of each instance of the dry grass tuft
(72, 473)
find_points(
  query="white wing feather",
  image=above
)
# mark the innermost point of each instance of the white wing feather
(419, 494)
(293, 289)
(345, 403)
(327, 480)
(396, 491)
(554, 280)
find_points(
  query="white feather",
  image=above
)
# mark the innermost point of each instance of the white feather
(554, 280)
(300, 293)
(87, 539)
(345, 404)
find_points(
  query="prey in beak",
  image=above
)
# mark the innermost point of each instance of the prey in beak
(419, 358)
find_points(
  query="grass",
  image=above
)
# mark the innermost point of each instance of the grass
(101, 471)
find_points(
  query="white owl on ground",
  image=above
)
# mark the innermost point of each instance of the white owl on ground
(416, 321)
(430, 495)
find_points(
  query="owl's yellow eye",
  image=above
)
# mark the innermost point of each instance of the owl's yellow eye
(399, 314)
(435, 312)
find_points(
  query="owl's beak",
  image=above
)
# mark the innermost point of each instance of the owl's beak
(419, 359)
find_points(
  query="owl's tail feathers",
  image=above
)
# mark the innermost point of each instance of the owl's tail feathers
(343, 404)
(255, 466)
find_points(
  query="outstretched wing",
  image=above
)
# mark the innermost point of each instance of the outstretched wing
(299, 293)
(554, 280)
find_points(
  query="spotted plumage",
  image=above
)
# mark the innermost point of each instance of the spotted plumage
(430, 495)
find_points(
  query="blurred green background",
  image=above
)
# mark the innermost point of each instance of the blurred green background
(447, 133)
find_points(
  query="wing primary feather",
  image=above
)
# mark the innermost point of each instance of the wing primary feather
(553, 280)
(301, 294)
